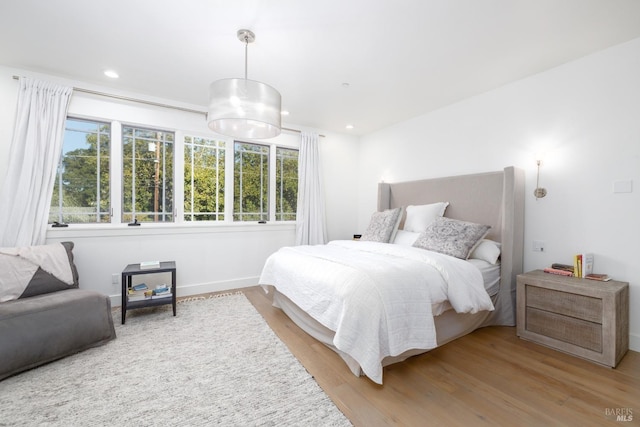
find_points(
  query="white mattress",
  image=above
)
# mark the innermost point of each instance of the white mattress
(490, 275)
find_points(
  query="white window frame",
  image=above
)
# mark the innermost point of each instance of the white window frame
(173, 177)
(60, 189)
(117, 182)
(225, 149)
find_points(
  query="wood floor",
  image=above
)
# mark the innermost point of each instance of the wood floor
(490, 377)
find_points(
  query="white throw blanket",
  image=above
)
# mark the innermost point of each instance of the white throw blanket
(18, 265)
(377, 297)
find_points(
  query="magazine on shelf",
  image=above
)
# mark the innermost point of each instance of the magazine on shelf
(140, 287)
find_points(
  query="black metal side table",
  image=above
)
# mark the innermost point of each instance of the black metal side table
(134, 270)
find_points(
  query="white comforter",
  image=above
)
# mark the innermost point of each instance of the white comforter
(377, 297)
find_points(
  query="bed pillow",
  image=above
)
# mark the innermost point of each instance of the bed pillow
(405, 238)
(486, 250)
(383, 226)
(452, 237)
(419, 217)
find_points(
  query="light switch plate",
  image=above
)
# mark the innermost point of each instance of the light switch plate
(625, 186)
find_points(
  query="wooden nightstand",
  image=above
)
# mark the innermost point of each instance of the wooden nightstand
(585, 318)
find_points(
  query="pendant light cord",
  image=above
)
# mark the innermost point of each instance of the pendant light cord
(246, 55)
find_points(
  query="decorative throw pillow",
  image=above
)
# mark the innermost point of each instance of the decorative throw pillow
(486, 250)
(383, 226)
(34, 270)
(451, 237)
(419, 217)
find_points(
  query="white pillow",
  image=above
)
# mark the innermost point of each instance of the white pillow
(419, 217)
(486, 250)
(405, 238)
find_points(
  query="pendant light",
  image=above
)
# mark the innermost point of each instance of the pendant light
(243, 108)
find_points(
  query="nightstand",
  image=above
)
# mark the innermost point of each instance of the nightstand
(134, 270)
(582, 317)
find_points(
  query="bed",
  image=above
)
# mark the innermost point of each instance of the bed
(367, 300)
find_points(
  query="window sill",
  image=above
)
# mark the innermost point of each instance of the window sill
(113, 230)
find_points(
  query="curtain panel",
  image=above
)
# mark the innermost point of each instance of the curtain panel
(34, 154)
(310, 217)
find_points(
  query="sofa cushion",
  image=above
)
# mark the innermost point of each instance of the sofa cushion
(50, 326)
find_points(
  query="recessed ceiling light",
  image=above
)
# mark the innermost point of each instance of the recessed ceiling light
(284, 113)
(349, 126)
(346, 85)
(111, 74)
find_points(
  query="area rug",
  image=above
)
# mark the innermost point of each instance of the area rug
(216, 363)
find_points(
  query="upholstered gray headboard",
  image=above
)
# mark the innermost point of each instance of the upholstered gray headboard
(492, 198)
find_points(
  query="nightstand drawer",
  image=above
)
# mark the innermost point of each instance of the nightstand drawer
(564, 328)
(574, 305)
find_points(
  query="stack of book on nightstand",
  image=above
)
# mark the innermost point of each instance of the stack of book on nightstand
(598, 277)
(560, 269)
(161, 291)
(582, 267)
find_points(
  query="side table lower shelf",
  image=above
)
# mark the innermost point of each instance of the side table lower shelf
(134, 270)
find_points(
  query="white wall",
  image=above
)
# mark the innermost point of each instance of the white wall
(209, 257)
(584, 116)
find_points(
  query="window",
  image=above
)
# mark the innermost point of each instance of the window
(286, 184)
(251, 182)
(81, 190)
(203, 179)
(254, 182)
(147, 169)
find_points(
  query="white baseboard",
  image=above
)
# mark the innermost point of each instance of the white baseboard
(202, 288)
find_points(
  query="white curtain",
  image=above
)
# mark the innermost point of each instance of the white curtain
(33, 157)
(310, 222)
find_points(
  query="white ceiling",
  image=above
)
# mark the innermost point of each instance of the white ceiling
(401, 58)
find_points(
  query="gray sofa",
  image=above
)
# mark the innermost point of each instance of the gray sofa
(50, 320)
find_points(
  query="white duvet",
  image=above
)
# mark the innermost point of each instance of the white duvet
(377, 297)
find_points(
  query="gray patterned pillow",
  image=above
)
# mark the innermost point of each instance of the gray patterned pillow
(451, 237)
(383, 226)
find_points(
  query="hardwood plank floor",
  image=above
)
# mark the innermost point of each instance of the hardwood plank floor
(490, 377)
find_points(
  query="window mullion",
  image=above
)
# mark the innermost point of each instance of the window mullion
(178, 179)
(272, 179)
(115, 164)
(229, 180)
(98, 175)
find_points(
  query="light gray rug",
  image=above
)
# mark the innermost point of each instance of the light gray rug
(216, 363)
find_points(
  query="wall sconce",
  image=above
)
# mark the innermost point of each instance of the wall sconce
(539, 192)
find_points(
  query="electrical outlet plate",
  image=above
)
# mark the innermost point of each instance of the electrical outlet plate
(538, 246)
(114, 279)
